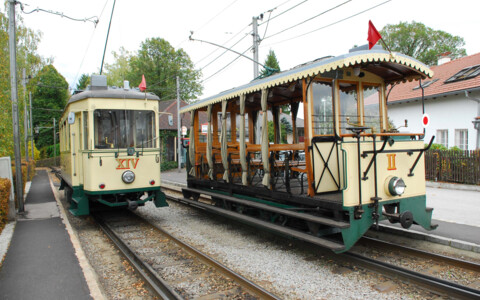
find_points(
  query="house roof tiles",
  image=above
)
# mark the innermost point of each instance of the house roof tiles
(410, 91)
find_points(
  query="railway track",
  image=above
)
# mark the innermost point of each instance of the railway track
(173, 269)
(428, 282)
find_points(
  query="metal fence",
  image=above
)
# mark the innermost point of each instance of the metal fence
(453, 166)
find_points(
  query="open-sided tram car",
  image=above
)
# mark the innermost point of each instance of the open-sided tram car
(329, 184)
(110, 154)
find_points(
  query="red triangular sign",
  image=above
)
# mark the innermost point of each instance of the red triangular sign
(373, 35)
(143, 84)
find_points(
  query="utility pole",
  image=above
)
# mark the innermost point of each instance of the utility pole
(54, 143)
(179, 133)
(14, 94)
(256, 42)
(31, 125)
(25, 116)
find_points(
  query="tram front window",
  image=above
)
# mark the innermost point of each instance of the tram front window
(371, 102)
(348, 106)
(124, 128)
(322, 116)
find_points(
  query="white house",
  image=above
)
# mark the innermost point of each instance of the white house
(452, 102)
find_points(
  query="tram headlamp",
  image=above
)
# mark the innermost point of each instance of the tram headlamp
(128, 176)
(396, 186)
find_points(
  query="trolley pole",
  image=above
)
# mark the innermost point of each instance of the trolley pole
(255, 46)
(14, 94)
(179, 132)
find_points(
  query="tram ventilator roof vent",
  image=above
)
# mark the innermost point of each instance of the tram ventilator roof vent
(99, 82)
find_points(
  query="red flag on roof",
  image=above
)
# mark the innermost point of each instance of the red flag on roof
(373, 35)
(143, 84)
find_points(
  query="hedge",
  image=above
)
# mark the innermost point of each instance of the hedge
(4, 196)
(31, 172)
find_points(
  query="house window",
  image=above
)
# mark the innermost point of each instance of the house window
(461, 138)
(442, 137)
(425, 84)
(464, 74)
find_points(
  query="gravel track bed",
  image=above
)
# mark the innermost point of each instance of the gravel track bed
(116, 276)
(289, 269)
(187, 274)
(425, 266)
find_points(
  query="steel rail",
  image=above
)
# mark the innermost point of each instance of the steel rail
(239, 279)
(432, 283)
(157, 284)
(429, 282)
(424, 254)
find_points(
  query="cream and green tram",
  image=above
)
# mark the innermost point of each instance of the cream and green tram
(333, 172)
(110, 154)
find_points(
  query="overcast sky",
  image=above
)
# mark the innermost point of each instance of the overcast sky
(77, 47)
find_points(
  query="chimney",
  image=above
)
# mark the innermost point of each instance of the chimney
(444, 58)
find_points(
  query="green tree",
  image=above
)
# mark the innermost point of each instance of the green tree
(285, 129)
(118, 71)
(50, 95)
(161, 63)
(28, 59)
(422, 42)
(83, 82)
(272, 63)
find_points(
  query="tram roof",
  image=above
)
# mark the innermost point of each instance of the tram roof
(392, 67)
(112, 93)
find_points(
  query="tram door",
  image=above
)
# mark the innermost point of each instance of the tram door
(326, 162)
(325, 151)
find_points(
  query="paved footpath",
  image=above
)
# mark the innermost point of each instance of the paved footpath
(41, 261)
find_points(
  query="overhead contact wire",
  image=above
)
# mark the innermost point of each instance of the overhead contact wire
(331, 24)
(309, 19)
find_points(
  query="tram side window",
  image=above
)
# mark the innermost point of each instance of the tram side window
(348, 106)
(238, 118)
(67, 132)
(85, 130)
(322, 117)
(229, 126)
(371, 104)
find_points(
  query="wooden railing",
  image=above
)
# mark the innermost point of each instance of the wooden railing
(453, 166)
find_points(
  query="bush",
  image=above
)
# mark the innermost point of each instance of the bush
(36, 152)
(168, 165)
(437, 147)
(4, 196)
(47, 151)
(455, 149)
(24, 176)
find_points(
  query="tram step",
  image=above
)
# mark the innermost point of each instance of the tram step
(335, 246)
(303, 216)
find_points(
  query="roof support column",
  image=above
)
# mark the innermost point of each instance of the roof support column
(243, 155)
(265, 152)
(209, 141)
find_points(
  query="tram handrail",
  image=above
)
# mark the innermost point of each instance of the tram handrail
(384, 134)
